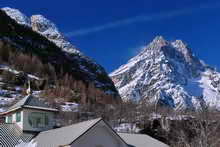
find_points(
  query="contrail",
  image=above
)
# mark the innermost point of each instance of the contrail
(142, 18)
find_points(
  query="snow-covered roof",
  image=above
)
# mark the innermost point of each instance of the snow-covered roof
(30, 102)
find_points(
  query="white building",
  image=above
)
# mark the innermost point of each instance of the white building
(31, 114)
(25, 119)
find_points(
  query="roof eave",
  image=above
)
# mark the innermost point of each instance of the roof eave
(9, 111)
(40, 108)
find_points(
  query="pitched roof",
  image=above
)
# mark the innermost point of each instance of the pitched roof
(11, 135)
(141, 140)
(30, 102)
(65, 135)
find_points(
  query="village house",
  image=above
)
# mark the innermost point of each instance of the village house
(26, 119)
(31, 120)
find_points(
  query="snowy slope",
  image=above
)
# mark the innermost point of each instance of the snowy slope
(168, 73)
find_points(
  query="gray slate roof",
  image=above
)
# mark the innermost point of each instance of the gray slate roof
(65, 135)
(11, 135)
(141, 140)
(31, 101)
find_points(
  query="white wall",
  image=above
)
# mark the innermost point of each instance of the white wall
(27, 126)
(14, 119)
(24, 123)
(99, 136)
(20, 124)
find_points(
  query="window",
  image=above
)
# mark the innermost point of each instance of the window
(46, 120)
(38, 120)
(9, 119)
(18, 116)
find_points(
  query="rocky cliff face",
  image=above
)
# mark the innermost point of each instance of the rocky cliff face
(168, 73)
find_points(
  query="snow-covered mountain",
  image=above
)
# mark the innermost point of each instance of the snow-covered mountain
(39, 38)
(43, 26)
(168, 73)
(48, 29)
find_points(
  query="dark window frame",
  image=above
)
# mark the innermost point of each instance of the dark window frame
(18, 116)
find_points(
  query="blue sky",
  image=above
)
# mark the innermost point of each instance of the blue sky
(112, 31)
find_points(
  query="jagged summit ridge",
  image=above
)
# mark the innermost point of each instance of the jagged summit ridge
(17, 16)
(167, 72)
(43, 26)
(48, 29)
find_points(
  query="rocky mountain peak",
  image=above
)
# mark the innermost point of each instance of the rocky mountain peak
(44, 26)
(48, 29)
(170, 69)
(159, 40)
(179, 44)
(156, 45)
(176, 50)
(183, 48)
(159, 43)
(18, 16)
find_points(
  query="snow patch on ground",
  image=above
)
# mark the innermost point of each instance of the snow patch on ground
(69, 107)
(127, 128)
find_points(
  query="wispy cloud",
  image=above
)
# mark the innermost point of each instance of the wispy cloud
(143, 18)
